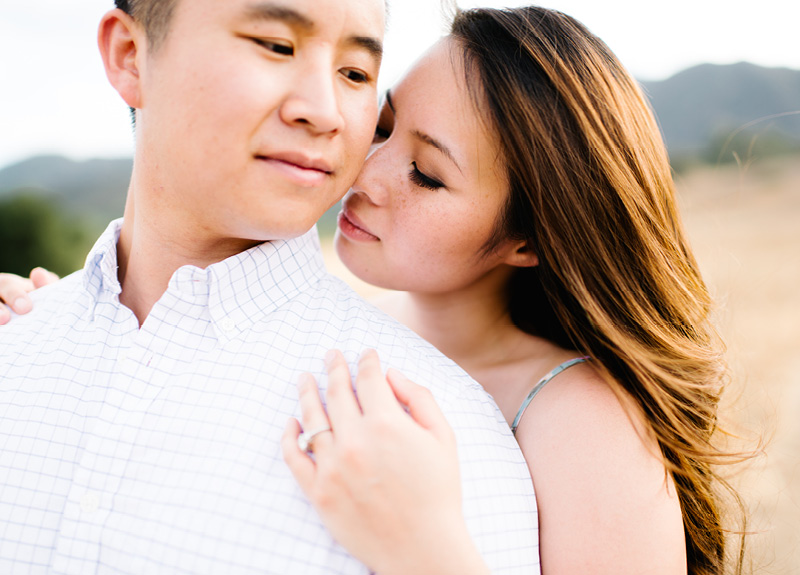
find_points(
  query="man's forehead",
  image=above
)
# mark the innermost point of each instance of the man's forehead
(319, 12)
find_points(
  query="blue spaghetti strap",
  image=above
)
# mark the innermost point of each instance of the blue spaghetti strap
(540, 384)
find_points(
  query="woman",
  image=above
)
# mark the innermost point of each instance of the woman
(520, 196)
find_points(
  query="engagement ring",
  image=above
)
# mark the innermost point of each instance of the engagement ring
(305, 439)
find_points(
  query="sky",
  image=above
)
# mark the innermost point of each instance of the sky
(54, 97)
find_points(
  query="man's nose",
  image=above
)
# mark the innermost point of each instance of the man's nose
(314, 101)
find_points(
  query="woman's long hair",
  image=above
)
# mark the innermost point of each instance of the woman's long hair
(591, 193)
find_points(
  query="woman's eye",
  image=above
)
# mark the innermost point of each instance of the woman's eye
(381, 135)
(277, 47)
(422, 180)
(355, 76)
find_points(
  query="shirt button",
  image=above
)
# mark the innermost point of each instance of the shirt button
(90, 503)
(227, 325)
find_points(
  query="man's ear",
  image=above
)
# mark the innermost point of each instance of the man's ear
(521, 256)
(122, 44)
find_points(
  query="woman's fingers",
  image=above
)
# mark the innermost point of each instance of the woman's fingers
(419, 401)
(315, 420)
(41, 277)
(14, 293)
(343, 408)
(373, 391)
(301, 466)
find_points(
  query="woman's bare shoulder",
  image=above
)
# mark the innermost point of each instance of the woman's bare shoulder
(599, 478)
(579, 418)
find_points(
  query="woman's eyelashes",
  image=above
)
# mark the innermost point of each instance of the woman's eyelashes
(423, 180)
(415, 174)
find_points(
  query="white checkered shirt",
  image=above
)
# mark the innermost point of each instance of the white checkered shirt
(156, 450)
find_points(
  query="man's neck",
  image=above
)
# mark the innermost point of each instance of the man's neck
(151, 249)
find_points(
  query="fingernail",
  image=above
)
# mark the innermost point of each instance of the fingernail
(329, 357)
(22, 305)
(395, 375)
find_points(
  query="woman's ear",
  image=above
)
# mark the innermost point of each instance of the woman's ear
(521, 255)
(122, 44)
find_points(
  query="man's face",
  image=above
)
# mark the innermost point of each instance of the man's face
(257, 115)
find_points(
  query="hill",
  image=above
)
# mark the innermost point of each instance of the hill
(93, 189)
(705, 104)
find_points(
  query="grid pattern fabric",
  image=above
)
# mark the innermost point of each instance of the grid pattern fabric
(156, 449)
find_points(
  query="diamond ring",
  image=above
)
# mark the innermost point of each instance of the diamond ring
(305, 439)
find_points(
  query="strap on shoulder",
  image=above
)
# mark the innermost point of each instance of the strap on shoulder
(540, 384)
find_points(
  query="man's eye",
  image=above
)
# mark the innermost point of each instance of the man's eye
(355, 76)
(277, 47)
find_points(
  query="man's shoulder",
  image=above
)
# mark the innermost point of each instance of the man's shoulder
(337, 317)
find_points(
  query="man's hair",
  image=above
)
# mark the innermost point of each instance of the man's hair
(154, 15)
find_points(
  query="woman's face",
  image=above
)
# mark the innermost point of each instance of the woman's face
(429, 195)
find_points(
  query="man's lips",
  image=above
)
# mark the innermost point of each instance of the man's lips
(300, 168)
(353, 228)
(299, 160)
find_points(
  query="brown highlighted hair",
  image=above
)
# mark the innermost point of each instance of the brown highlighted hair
(591, 193)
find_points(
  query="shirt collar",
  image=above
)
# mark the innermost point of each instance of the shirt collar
(240, 289)
(100, 269)
(245, 287)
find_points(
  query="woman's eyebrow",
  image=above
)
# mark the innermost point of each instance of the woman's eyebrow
(423, 137)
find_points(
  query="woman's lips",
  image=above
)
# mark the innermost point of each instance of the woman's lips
(352, 228)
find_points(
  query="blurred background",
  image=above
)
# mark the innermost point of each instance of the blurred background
(723, 79)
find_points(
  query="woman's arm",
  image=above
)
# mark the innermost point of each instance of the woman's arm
(14, 291)
(606, 503)
(385, 479)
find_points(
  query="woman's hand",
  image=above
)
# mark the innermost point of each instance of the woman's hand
(14, 291)
(385, 479)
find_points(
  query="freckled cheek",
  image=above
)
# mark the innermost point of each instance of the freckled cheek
(428, 233)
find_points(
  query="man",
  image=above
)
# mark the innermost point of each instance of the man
(143, 400)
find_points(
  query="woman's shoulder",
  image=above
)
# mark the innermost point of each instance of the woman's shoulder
(580, 410)
(599, 475)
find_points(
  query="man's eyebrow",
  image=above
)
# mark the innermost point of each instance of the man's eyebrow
(292, 17)
(279, 12)
(423, 137)
(370, 44)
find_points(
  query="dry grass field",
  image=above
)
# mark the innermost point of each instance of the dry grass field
(744, 222)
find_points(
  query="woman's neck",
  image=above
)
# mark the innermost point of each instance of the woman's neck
(471, 326)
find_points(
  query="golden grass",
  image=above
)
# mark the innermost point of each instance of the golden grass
(744, 223)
